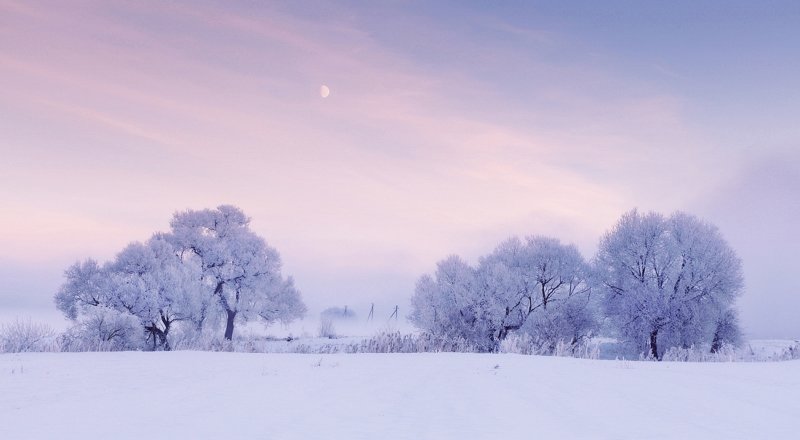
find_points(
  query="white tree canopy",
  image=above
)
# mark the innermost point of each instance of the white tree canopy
(539, 278)
(241, 274)
(210, 268)
(668, 281)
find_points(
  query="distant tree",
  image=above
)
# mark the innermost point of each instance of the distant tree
(538, 286)
(668, 281)
(240, 273)
(338, 313)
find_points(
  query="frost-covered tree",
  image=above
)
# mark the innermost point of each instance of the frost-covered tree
(447, 304)
(542, 275)
(726, 330)
(538, 286)
(86, 299)
(338, 313)
(240, 274)
(211, 268)
(102, 328)
(146, 281)
(668, 281)
(151, 282)
(86, 286)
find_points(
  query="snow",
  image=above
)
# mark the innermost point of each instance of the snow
(134, 395)
(766, 348)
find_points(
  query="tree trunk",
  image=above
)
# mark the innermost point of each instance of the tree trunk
(654, 344)
(229, 325)
(716, 343)
(165, 334)
(159, 337)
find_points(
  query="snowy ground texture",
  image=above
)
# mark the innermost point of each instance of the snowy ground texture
(198, 395)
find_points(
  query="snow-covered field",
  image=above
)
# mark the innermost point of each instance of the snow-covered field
(197, 395)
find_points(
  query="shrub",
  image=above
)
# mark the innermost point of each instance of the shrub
(326, 328)
(395, 342)
(104, 329)
(702, 353)
(790, 353)
(523, 343)
(23, 336)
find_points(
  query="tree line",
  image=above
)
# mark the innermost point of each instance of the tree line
(656, 282)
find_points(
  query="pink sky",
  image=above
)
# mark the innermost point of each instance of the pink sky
(116, 114)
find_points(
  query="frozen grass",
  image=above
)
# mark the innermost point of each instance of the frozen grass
(134, 395)
(25, 335)
(326, 328)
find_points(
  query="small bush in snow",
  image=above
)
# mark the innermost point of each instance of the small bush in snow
(103, 329)
(396, 342)
(326, 328)
(790, 353)
(725, 353)
(188, 339)
(522, 343)
(317, 349)
(22, 336)
(518, 343)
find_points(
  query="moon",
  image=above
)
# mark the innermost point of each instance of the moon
(324, 91)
